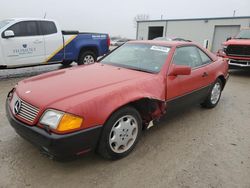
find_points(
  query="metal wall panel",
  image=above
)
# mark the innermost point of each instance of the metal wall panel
(221, 33)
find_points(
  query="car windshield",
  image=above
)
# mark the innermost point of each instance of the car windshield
(244, 34)
(142, 57)
(4, 23)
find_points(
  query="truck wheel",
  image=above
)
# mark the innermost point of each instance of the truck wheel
(214, 95)
(87, 57)
(120, 133)
(66, 63)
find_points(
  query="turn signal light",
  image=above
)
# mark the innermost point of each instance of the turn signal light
(69, 122)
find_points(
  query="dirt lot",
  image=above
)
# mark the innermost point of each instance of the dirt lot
(198, 148)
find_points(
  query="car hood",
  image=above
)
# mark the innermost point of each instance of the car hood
(237, 42)
(46, 89)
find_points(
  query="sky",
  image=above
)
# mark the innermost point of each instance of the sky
(116, 17)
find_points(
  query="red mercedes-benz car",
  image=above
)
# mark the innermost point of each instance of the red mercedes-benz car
(104, 106)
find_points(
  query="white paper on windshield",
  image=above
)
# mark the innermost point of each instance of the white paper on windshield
(160, 48)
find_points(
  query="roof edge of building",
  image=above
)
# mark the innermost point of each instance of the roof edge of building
(194, 19)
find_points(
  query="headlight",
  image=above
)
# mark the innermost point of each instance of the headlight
(51, 118)
(224, 48)
(61, 121)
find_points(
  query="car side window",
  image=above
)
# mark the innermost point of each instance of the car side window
(48, 27)
(188, 55)
(204, 57)
(24, 29)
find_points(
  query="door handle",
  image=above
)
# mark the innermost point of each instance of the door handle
(37, 41)
(205, 74)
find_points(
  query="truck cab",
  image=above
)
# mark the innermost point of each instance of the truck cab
(27, 42)
(23, 42)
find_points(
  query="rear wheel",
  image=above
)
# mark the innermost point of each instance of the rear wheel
(214, 95)
(87, 57)
(120, 133)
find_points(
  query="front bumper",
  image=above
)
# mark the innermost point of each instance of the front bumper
(239, 63)
(55, 145)
(236, 61)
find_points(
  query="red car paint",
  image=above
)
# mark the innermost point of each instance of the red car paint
(95, 91)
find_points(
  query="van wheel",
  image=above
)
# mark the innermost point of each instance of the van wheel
(214, 95)
(120, 133)
(87, 57)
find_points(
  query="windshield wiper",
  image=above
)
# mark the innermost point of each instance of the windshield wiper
(127, 67)
(141, 70)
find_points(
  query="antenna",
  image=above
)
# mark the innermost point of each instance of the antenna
(45, 15)
(234, 13)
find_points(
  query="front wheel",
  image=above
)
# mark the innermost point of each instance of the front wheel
(120, 133)
(214, 95)
(87, 57)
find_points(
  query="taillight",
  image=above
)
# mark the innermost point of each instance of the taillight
(108, 41)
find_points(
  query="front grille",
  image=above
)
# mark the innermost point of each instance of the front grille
(27, 111)
(238, 50)
(239, 62)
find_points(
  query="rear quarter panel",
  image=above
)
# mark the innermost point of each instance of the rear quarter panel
(217, 68)
(98, 41)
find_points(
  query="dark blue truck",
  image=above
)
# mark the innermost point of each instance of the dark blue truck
(28, 42)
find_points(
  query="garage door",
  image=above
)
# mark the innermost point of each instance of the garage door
(221, 33)
(154, 32)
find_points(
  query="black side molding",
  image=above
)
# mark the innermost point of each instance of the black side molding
(3, 66)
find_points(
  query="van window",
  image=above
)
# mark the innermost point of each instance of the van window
(48, 27)
(4, 23)
(24, 29)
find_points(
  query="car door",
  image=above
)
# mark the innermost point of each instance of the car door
(26, 47)
(53, 41)
(187, 89)
(208, 63)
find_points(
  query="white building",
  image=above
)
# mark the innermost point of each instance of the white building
(215, 30)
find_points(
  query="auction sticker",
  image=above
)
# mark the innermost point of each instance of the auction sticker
(160, 48)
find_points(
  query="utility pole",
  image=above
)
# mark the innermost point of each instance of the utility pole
(45, 15)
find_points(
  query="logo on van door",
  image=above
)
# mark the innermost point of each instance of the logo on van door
(24, 50)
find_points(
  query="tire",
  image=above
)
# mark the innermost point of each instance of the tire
(66, 63)
(120, 133)
(87, 57)
(214, 95)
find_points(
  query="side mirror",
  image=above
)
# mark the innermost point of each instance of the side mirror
(180, 70)
(8, 34)
(229, 38)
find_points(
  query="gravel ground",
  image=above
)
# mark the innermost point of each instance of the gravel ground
(197, 148)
